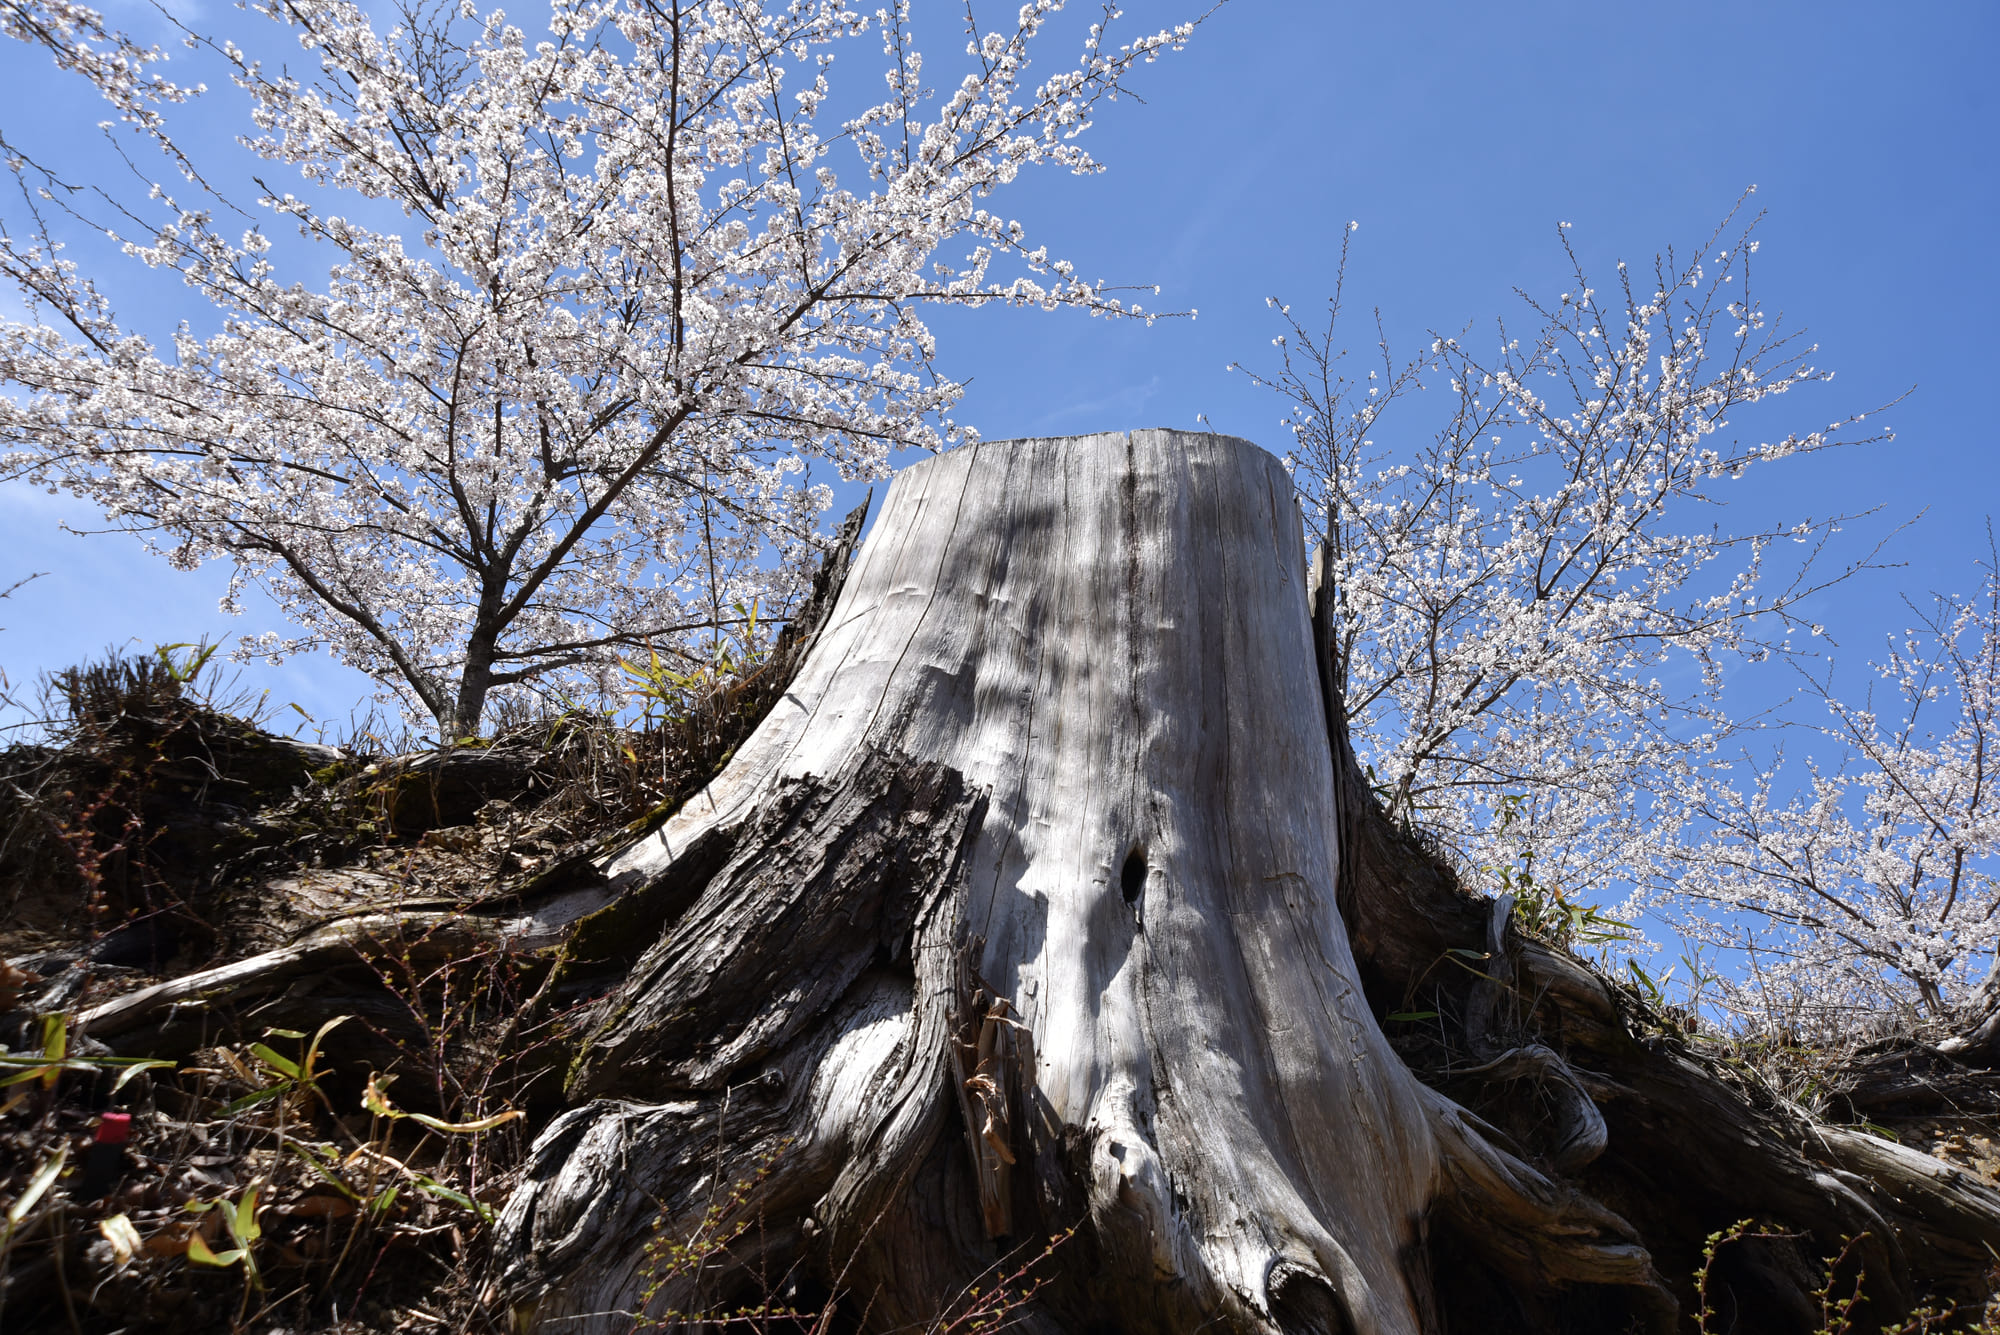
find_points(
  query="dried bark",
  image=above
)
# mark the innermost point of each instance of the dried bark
(1057, 836)
(1107, 638)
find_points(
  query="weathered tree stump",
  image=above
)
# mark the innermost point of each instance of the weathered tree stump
(1028, 909)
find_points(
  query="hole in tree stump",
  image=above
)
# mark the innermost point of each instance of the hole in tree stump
(1132, 879)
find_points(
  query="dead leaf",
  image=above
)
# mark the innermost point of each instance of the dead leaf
(13, 982)
(319, 1207)
(169, 1241)
(123, 1237)
(364, 1154)
(239, 1069)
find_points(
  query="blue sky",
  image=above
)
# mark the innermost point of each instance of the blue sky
(1458, 136)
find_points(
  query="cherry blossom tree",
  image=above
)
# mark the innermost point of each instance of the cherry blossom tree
(569, 316)
(1534, 607)
(1877, 874)
(1534, 614)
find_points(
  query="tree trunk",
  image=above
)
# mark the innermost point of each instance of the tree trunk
(1035, 952)
(1978, 1022)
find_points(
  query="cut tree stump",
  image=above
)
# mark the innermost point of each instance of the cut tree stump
(1032, 953)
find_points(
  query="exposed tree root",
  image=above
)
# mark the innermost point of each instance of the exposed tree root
(335, 970)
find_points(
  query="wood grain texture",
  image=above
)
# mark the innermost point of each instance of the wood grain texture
(1108, 639)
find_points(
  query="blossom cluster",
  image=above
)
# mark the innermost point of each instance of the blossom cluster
(75, 35)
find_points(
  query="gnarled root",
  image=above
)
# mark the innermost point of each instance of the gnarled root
(793, 1027)
(329, 971)
(1946, 1221)
(1540, 1233)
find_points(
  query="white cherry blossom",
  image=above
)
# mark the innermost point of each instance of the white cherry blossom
(1535, 607)
(1869, 887)
(647, 276)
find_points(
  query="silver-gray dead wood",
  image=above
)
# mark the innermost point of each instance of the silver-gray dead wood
(1049, 897)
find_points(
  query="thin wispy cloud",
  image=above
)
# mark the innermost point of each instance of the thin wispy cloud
(1121, 406)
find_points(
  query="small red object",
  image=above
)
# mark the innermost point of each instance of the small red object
(104, 1163)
